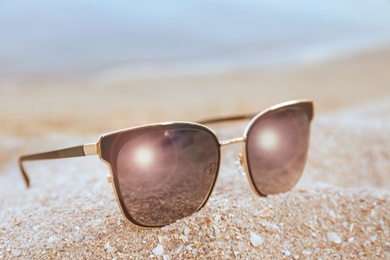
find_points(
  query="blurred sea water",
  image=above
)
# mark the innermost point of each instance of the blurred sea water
(68, 38)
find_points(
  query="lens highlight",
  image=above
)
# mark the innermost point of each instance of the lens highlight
(144, 157)
(268, 139)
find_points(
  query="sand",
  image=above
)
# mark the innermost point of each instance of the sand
(339, 209)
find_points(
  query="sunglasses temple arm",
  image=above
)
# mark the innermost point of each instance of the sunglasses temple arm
(225, 119)
(77, 151)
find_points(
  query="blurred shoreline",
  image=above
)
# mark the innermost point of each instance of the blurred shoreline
(96, 105)
(273, 58)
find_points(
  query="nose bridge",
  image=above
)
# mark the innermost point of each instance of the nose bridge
(232, 141)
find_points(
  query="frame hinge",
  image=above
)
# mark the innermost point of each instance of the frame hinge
(90, 149)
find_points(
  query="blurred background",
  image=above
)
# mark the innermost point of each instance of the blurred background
(72, 70)
(95, 66)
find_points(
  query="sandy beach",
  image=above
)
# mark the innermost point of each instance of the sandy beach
(339, 209)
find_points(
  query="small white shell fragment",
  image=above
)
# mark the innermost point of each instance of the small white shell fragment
(256, 240)
(53, 239)
(333, 237)
(184, 238)
(186, 231)
(109, 248)
(16, 252)
(159, 250)
(287, 252)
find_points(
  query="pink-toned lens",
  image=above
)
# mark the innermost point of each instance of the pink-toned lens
(277, 145)
(165, 173)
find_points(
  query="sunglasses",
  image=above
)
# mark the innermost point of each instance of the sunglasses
(164, 172)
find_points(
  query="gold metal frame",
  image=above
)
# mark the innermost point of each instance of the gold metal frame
(95, 148)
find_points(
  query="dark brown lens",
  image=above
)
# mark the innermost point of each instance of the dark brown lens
(163, 173)
(277, 144)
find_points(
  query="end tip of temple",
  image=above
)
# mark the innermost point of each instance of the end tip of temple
(24, 174)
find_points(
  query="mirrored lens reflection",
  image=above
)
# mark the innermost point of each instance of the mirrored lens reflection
(277, 145)
(166, 175)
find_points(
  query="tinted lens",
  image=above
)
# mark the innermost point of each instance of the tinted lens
(164, 173)
(276, 148)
